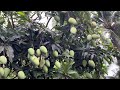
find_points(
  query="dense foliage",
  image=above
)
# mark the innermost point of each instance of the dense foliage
(75, 48)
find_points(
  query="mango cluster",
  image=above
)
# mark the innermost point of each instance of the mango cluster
(37, 58)
(4, 72)
(91, 63)
(93, 36)
(73, 22)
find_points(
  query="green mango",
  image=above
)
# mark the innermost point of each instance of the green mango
(45, 69)
(72, 21)
(35, 61)
(95, 36)
(31, 51)
(88, 75)
(43, 49)
(84, 63)
(57, 64)
(6, 72)
(21, 75)
(55, 53)
(57, 18)
(1, 71)
(94, 24)
(3, 59)
(38, 52)
(72, 53)
(89, 37)
(73, 30)
(47, 62)
(91, 63)
(42, 63)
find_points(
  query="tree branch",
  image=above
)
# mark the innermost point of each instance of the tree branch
(115, 40)
(48, 21)
(12, 22)
(112, 16)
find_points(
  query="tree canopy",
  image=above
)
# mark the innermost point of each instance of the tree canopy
(74, 48)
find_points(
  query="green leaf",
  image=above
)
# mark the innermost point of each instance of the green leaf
(21, 13)
(1, 48)
(74, 75)
(23, 16)
(2, 20)
(66, 66)
(71, 72)
(10, 53)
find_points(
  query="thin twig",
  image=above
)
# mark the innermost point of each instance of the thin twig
(48, 21)
(53, 27)
(112, 16)
(35, 18)
(13, 26)
(33, 15)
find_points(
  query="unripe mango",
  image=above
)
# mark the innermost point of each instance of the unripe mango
(73, 30)
(6, 72)
(55, 53)
(38, 52)
(89, 37)
(1, 71)
(3, 59)
(91, 63)
(43, 49)
(72, 21)
(55, 67)
(95, 36)
(71, 53)
(94, 43)
(45, 69)
(101, 77)
(84, 63)
(21, 75)
(32, 57)
(57, 18)
(31, 51)
(2, 20)
(94, 24)
(28, 56)
(35, 61)
(108, 40)
(57, 64)
(88, 75)
(47, 62)
(42, 63)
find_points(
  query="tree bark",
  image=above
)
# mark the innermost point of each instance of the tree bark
(115, 39)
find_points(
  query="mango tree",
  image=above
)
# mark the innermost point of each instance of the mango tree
(75, 48)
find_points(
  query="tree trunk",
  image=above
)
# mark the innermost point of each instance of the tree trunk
(115, 39)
